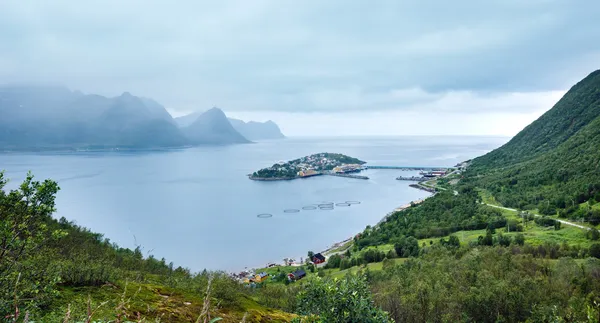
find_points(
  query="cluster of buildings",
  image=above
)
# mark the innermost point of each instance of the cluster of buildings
(347, 168)
(435, 173)
(252, 278)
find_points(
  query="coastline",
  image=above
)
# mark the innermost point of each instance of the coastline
(336, 245)
(329, 251)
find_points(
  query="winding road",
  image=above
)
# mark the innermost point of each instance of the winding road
(561, 221)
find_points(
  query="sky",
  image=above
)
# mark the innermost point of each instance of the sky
(338, 67)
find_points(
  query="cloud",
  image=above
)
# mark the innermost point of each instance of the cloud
(329, 56)
(455, 113)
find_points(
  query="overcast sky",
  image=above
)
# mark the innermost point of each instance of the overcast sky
(315, 67)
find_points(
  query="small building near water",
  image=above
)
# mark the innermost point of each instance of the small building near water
(298, 274)
(318, 258)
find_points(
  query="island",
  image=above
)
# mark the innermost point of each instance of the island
(313, 165)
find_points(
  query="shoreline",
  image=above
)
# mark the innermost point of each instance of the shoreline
(328, 250)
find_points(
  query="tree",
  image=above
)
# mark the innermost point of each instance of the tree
(407, 247)
(520, 239)
(24, 217)
(452, 242)
(488, 240)
(310, 255)
(593, 234)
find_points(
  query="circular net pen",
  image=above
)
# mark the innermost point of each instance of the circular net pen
(309, 207)
(342, 204)
(352, 202)
(291, 211)
(264, 216)
(326, 208)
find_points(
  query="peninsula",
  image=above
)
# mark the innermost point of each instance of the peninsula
(313, 165)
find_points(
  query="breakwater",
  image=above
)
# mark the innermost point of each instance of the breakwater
(408, 168)
(424, 188)
(349, 175)
(412, 178)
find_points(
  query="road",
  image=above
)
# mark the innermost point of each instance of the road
(561, 221)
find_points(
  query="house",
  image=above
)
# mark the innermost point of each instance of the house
(318, 259)
(260, 277)
(298, 274)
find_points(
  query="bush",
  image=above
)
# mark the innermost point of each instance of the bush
(593, 234)
(595, 250)
(345, 301)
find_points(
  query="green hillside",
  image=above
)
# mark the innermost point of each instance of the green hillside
(552, 164)
(579, 107)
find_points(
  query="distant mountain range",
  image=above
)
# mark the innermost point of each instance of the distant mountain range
(251, 130)
(50, 117)
(257, 130)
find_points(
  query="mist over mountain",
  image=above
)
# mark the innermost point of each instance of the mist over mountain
(213, 127)
(254, 130)
(188, 119)
(54, 117)
(251, 130)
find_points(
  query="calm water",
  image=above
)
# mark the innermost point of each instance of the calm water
(197, 208)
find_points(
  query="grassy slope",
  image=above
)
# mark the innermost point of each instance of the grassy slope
(554, 158)
(574, 111)
(534, 235)
(153, 302)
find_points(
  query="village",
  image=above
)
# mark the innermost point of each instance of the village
(313, 165)
(297, 271)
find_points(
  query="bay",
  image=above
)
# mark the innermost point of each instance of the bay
(197, 208)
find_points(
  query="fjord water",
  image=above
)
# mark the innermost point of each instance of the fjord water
(197, 208)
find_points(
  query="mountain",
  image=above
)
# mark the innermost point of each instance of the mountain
(553, 164)
(251, 130)
(188, 119)
(212, 127)
(257, 130)
(41, 117)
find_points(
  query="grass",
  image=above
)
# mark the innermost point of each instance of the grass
(487, 197)
(154, 303)
(375, 266)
